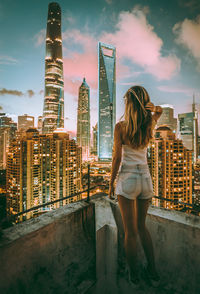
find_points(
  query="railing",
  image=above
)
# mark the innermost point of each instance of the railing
(13, 217)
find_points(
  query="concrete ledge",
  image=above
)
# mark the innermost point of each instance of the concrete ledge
(54, 253)
(106, 248)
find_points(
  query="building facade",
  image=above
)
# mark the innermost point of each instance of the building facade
(83, 120)
(94, 139)
(171, 169)
(8, 130)
(53, 111)
(107, 100)
(42, 168)
(185, 129)
(25, 122)
(167, 117)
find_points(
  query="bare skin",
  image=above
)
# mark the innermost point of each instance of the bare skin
(133, 212)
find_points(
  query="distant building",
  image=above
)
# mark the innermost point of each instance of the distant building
(39, 124)
(196, 186)
(42, 168)
(188, 130)
(53, 111)
(167, 118)
(171, 168)
(25, 122)
(83, 120)
(8, 130)
(94, 139)
(185, 129)
(107, 100)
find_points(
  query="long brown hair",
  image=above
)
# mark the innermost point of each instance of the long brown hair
(137, 119)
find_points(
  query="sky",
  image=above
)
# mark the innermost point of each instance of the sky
(157, 46)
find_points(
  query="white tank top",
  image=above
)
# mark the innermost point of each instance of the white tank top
(132, 156)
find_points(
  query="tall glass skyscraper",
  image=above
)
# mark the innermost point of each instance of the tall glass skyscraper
(83, 119)
(53, 112)
(107, 99)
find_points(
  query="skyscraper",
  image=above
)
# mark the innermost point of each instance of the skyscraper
(167, 117)
(83, 119)
(42, 168)
(107, 99)
(171, 168)
(53, 111)
(185, 129)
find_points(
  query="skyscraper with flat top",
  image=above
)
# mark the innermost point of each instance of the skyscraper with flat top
(107, 100)
(83, 119)
(53, 111)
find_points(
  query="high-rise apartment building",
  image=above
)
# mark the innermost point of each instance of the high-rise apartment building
(42, 168)
(171, 168)
(107, 100)
(8, 130)
(83, 120)
(185, 129)
(25, 122)
(196, 186)
(94, 139)
(167, 117)
(53, 111)
(39, 124)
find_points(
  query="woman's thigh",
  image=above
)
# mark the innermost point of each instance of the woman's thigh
(142, 208)
(128, 211)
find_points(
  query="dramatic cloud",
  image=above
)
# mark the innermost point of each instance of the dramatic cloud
(188, 35)
(10, 92)
(178, 89)
(7, 60)
(109, 2)
(135, 41)
(39, 38)
(29, 93)
(80, 63)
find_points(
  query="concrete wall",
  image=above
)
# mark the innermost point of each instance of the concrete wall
(176, 240)
(54, 253)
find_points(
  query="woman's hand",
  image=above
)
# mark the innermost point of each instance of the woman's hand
(150, 106)
(111, 192)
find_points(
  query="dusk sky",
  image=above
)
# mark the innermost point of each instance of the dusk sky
(157, 46)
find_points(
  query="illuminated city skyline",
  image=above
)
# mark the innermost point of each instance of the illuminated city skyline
(168, 69)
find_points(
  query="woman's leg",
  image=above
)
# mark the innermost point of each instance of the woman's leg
(142, 207)
(129, 218)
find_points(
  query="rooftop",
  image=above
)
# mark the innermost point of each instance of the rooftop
(79, 249)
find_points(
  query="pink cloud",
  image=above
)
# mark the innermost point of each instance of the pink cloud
(78, 65)
(136, 40)
(188, 33)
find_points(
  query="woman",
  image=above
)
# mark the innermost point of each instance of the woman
(134, 188)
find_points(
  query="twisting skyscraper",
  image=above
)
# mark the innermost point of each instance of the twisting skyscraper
(83, 119)
(107, 99)
(53, 112)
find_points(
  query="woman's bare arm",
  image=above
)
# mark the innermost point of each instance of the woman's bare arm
(116, 154)
(157, 112)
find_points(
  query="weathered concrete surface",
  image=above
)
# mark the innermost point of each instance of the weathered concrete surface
(176, 240)
(54, 253)
(106, 248)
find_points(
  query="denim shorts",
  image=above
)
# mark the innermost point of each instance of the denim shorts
(134, 181)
